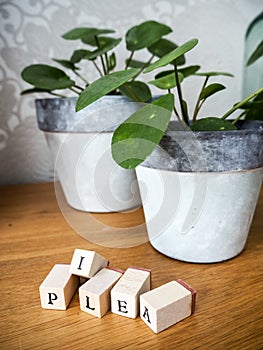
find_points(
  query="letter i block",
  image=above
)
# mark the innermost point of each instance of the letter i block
(86, 263)
(94, 295)
(58, 288)
(166, 305)
(126, 292)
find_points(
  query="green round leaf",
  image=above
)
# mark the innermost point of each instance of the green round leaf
(46, 77)
(173, 55)
(103, 86)
(188, 71)
(212, 124)
(210, 90)
(135, 63)
(137, 137)
(256, 54)
(66, 63)
(167, 81)
(214, 74)
(145, 34)
(85, 32)
(102, 50)
(79, 55)
(164, 46)
(136, 91)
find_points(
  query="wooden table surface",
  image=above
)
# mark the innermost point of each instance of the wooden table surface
(35, 236)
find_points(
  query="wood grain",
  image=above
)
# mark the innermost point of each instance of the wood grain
(35, 236)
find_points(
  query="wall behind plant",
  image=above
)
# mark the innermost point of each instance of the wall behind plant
(30, 33)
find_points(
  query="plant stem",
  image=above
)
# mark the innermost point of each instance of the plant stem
(241, 103)
(129, 60)
(72, 89)
(101, 57)
(55, 94)
(107, 62)
(198, 105)
(180, 95)
(98, 68)
(142, 68)
(239, 117)
(81, 77)
(78, 87)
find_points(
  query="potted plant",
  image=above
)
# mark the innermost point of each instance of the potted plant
(199, 179)
(80, 142)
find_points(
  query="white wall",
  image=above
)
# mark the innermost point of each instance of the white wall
(30, 33)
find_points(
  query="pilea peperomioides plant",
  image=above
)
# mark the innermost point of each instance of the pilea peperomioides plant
(148, 35)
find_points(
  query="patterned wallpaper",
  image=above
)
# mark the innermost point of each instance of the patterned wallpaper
(30, 33)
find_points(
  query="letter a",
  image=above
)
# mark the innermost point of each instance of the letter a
(146, 314)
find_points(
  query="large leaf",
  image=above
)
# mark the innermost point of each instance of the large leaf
(85, 32)
(164, 46)
(136, 90)
(212, 124)
(167, 81)
(256, 54)
(173, 55)
(137, 137)
(210, 90)
(103, 86)
(66, 63)
(145, 34)
(46, 77)
(79, 55)
(102, 50)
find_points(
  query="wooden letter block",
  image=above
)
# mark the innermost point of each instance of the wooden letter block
(58, 288)
(94, 295)
(126, 292)
(166, 305)
(86, 263)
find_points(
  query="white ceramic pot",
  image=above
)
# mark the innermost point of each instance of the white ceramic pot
(80, 144)
(203, 215)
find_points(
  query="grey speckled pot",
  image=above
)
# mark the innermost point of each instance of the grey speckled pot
(80, 146)
(199, 192)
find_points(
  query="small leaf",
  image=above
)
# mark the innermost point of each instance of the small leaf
(66, 63)
(164, 46)
(167, 82)
(137, 137)
(213, 74)
(103, 86)
(112, 61)
(46, 77)
(164, 73)
(81, 32)
(102, 50)
(210, 90)
(145, 34)
(171, 56)
(256, 54)
(136, 91)
(212, 124)
(135, 64)
(79, 55)
(188, 71)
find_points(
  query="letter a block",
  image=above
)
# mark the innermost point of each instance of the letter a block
(86, 263)
(166, 305)
(94, 295)
(58, 288)
(126, 292)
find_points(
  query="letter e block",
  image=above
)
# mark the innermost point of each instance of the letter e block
(126, 292)
(58, 288)
(166, 305)
(94, 295)
(86, 263)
